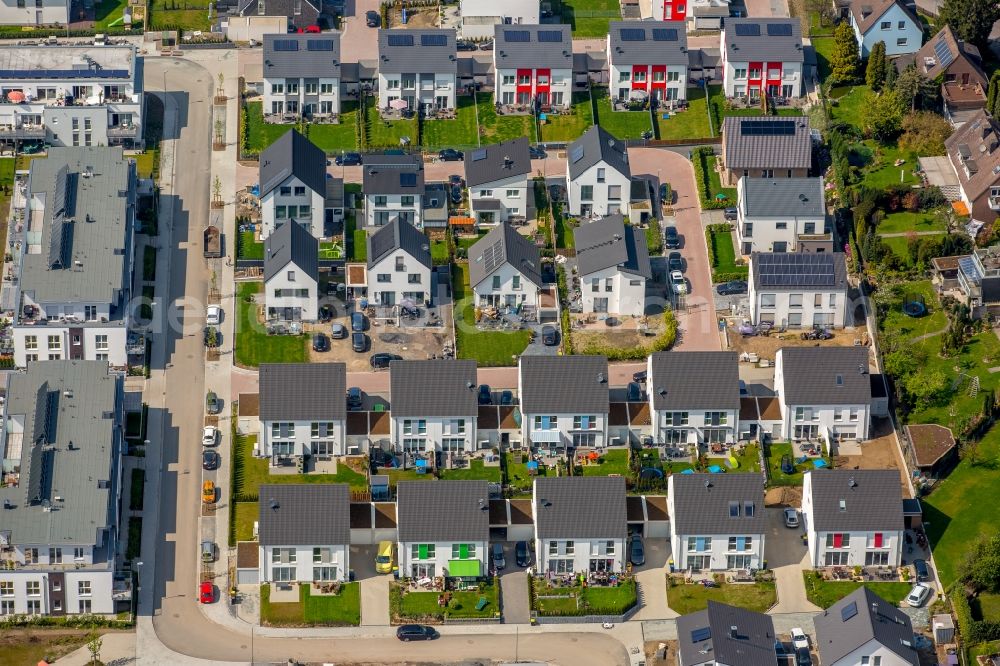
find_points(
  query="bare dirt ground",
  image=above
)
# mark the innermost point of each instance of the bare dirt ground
(879, 452)
(624, 336)
(766, 346)
(651, 648)
(416, 18)
(30, 645)
(783, 496)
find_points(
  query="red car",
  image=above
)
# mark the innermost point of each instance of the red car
(313, 29)
(206, 592)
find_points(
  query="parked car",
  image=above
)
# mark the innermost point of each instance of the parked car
(209, 459)
(450, 155)
(550, 338)
(639, 377)
(213, 315)
(730, 214)
(355, 398)
(209, 436)
(677, 283)
(506, 397)
(212, 403)
(918, 595)
(465, 45)
(499, 562)
(675, 262)
(348, 159)
(206, 592)
(791, 518)
(802, 657)
(799, 639)
(522, 556)
(636, 552)
(358, 321)
(382, 360)
(536, 153)
(456, 195)
(731, 288)
(666, 194)
(633, 392)
(485, 395)
(313, 29)
(321, 343)
(486, 46)
(359, 342)
(384, 558)
(325, 313)
(920, 568)
(373, 19)
(338, 331)
(416, 632)
(671, 239)
(455, 179)
(208, 492)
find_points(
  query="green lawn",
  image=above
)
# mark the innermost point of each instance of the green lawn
(584, 600)
(184, 15)
(342, 137)
(330, 250)
(589, 18)
(825, 593)
(488, 348)
(477, 470)
(249, 247)
(686, 599)
(462, 132)
(986, 606)
(495, 129)
(691, 123)
(717, 98)
(109, 14)
(149, 263)
(439, 252)
(387, 133)
(342, 609)
(465, 242)
(778, 478)
(253, 345)
(569, 127)
(260, 135)
(723, 256)
(612, 462)
(418, 606)
(410, 474)
(707, 165)
(879, 170)
(847, 104)
(517, 473)
(824, 47)
(246, 514)
(564, 232)
(622, 124)
(905, 221)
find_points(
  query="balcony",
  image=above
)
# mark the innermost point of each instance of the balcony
(816, 237)
(22, 132)
(123, 132)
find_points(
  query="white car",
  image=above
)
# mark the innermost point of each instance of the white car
(799, 639)
(213, 315)
(918, 595)
(210, 436)
(677, 282)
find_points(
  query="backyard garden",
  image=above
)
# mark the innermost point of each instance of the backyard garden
(409, 605)
(488, 348)
(571, 595)
(253, 345)
(687, 598)
(338, 608)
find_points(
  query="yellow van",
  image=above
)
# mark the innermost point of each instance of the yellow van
(385, 562)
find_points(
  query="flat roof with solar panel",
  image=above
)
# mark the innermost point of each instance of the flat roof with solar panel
(799, 270)
(636, 43)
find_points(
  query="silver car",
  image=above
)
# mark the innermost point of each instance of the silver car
(791, 518)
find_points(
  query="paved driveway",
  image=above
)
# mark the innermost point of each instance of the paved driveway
(358, 41)
(514, 588)
(374, 587)
(786, 555)
(651, 582)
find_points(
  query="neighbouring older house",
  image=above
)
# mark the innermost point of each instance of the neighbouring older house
(959, 67)
(765, 147)
(974, 152)
(762, 56)
(647, 60)
(979, 280)
(782, 215)
(888, 21)
(932, 448)
(614, 267)
(799, 290)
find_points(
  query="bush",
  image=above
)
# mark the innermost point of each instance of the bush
(75, 621)
(664, 341)
(701, 171)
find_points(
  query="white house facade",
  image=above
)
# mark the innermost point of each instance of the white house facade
(885, 21)
(291, 274)
(762, 57)
(394, 190)
(613, 263)
(480, 16)
(434, 406)
(294, 546)
(443, 529)
(399, 265)
(799, 290)
(302, 412)
(781, 215)
(600, 179)
(694, 397)
(292, 184)
(651, 58)
(864, 628)
(580, 524)
(533, 66)
(564, 401)
(301, 76)
(419, 67)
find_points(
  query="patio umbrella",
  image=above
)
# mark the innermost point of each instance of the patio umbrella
(720, 196)
(15, 96)
(638, 94)
(398, 104)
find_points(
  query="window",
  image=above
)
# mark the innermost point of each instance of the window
(380, 200)
(524, 80)
(322, 429)
(101, 342)
(769, 173)
(77, 553)
(311, 88)
(749, 508)
(414, 427)
(6, 588)
(83, 588)
(542, 80)
(31, 342)
(699, 544)
(55, 555)
(496, 282)
(877, 558)
(324, 574)
(557, 99)
(586, 193)
(545, 423)
(33, 588)
(290, 276)
(34, 607)
(413, 278)
(755, 73)
(276, 89)
(283, 556)
(7, 607)
(90, 312)
(809, 228)
(305, 212)
(836, 559)
(795, 300)
(871, 661)
(901, 41)
(673, 76)
(516, 282)
(570, 548)
(658, 77)
(322, 556)
(901, 25)
(31, 556)
(639, 76)
(512, 194)
(818, 300)
(508, 79)
(734, 509)
(57, 586)
(463, 551)
(748, 229)
(293, 88)
(614, 192)
(624, 76)
(740, 73)
(677, 418)
(885, 25)
(383, 277)
(716, 418)
(422, 551)
(326, 88)
(406, 200)
(285, 190)
(282, 574)
(838, 415)
(741, 543)
(584, 422)
(400, 264)
(553, 547)
(281, 212)
(854, 414)
(300, 191)
(55, 342)
(767, 301)
(837, 540)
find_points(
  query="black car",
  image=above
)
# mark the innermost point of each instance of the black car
(730, 214)
(506, 397)
(666, 195)
(382, 360)
(358, 321)
(450, 155)
(671, 239)
(731, 288)
(639, 377)
(465, 45)
(373, 19)
(455, 179)
(456, 194)
(633, 392)
(521, 554)
(920, 567)
(416, 632)
(536, 153)
(348, 159)
(209, 459)
(359, 342)
(636, 552)
(549, 336)
(325, 313)
(802, 657)
(485, 394)
(354, 398)
(499, 561)
(486, 46)
(321, 343)
(675, 262)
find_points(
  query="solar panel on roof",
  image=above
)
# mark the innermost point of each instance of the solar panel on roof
(550, 36)
(576, 155)
(433, 40)
(319, 45)
(748, 30)
(779, 29)
(632, 34)
(664, 35)
(849, 611)
(407, 180)
(478, 154)
(767, 127)
(943, 53)
(400, 40)
(700, 635)
(796, 270)
(516, 36)
(285, 45)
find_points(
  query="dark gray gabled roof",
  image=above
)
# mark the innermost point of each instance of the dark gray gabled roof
(532, 46)
(761, 39)
(607, 243)
(764, 142)
(497, 161)
(311, 514)
(703, 504)
(564, 384)
(582, 507)
(858, 618)
(399, 235)
(595, 145)
(291, 243)
(645, 43)
(442, 511)
(785, 271)
(384, 175)
(783, 197)
(824, 376)
(858, 500)
(302, 56)
(430, 51)
(433, 389)
(503, 245)
(708, 636)
(695, 380)
(292, 155)
(303, 392)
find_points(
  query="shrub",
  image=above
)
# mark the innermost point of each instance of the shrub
(702, 176)
(664, 341)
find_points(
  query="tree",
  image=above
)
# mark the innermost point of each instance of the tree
(911, 84)
(971, 20)
(94, 647)
(891, 74)
(844, 63)
(882, 116)
(924, 133)
(877, 67)
(926, 387)
(993, 93)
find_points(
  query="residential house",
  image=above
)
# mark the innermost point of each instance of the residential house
(291, 274)
(707, 14)
(580, 524)
(301, 77)
(799, 290)
(394, 189)
(959, 66)
(782, 215)
(302, 413)
(71, 95)
(533, 65)
(479, 17)
(434, 406)
(56, 13)
(724, 635)
(864, 628)
(61, 491)
(888, 21)
(853, 517)
(824, 393)
(650, 58)
(399, 265)
(978, 278)
(694, 396)
(564, 401)
(505, 271)
(301, 14)
(443, 528)
(419, 67)
(613, 263)
(497, 178)
(292, 184)
(75, 259)
(765, 147)
(599, 174)
(304, 533)
(762, 57)
(717, 521)
(974, 151)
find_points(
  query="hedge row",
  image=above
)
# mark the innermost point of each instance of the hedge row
(663, 342)
(701, 171)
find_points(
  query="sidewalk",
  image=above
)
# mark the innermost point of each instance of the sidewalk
(117, 648)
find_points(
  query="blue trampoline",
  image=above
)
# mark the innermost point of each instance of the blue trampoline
(650, 473)
(688, 471)
(421, 467)
(819, 464)
(715, 469)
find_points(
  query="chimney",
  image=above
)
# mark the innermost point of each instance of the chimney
(733, 632)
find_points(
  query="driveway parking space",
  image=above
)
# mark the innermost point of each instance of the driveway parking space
(786, 555)
(358, 41)
(651, 581)
(374, 586)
